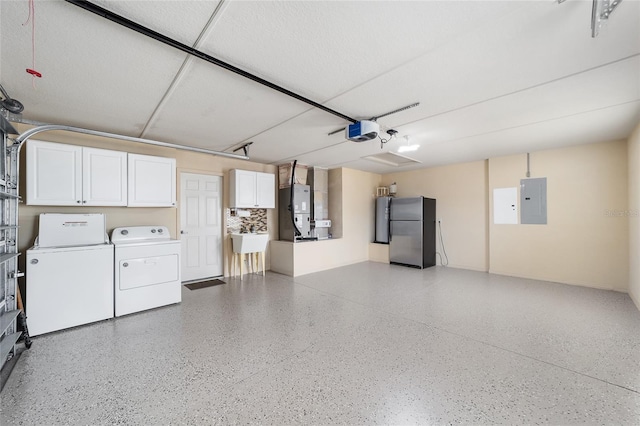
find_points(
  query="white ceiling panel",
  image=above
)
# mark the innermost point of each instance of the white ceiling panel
(286, 141)
(613, 123)
(544, 103)
(534, 45)
(609, 124)
(94, 73)
(323, 48)
(217, 108)
(492, 77)
(180, 20)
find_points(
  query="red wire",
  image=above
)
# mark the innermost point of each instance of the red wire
(32, 18)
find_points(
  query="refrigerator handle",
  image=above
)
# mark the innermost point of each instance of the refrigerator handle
(389, 227)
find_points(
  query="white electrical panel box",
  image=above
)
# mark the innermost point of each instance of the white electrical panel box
(505, 206)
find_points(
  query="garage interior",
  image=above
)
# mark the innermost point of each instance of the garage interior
(516, 322)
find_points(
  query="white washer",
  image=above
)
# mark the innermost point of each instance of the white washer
(69, 273)
(147, 268)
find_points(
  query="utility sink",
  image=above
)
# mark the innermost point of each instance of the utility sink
(249, 243)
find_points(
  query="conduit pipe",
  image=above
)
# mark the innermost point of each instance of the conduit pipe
(50, 127)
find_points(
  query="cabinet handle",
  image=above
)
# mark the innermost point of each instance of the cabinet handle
(34, 261)
(78, 201)
(84, 202)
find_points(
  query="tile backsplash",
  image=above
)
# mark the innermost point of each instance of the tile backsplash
(257, 218)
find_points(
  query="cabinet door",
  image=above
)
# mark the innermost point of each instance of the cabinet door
(243, 189)
(265, 190)
(151, 181)
(104, 177)
(54, 174)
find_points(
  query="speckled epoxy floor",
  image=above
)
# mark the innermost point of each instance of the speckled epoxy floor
(365, 344)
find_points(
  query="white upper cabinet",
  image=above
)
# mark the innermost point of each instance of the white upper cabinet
(152, 181)
(243, 188)
(251, 189)
(104, 177)
(70, 175)
(265, 190)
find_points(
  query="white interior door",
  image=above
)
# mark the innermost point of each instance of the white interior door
(201, 226)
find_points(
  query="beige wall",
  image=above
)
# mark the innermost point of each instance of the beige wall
(634, 221)
(351, 209)
(335, 202)
(581, 244)
(186, 161)
(460, 191)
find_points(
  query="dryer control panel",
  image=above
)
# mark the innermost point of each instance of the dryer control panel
(132, 234)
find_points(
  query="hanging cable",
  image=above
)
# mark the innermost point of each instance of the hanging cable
(296, 231)
(32, 18)
(444, 251)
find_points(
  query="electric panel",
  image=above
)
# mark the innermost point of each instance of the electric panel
(533, 201)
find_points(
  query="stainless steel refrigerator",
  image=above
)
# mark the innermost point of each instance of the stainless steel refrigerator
(382, 220)
(412, 239)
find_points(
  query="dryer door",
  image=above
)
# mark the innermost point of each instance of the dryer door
(151, 270)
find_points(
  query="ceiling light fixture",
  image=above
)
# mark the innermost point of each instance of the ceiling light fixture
(600, 13)
(407, 147)
(392, 134)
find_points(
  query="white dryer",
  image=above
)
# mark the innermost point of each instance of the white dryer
(147, 268)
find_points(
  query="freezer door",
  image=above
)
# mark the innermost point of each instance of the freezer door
(406, 242)
(407, 208)
(382, 220)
